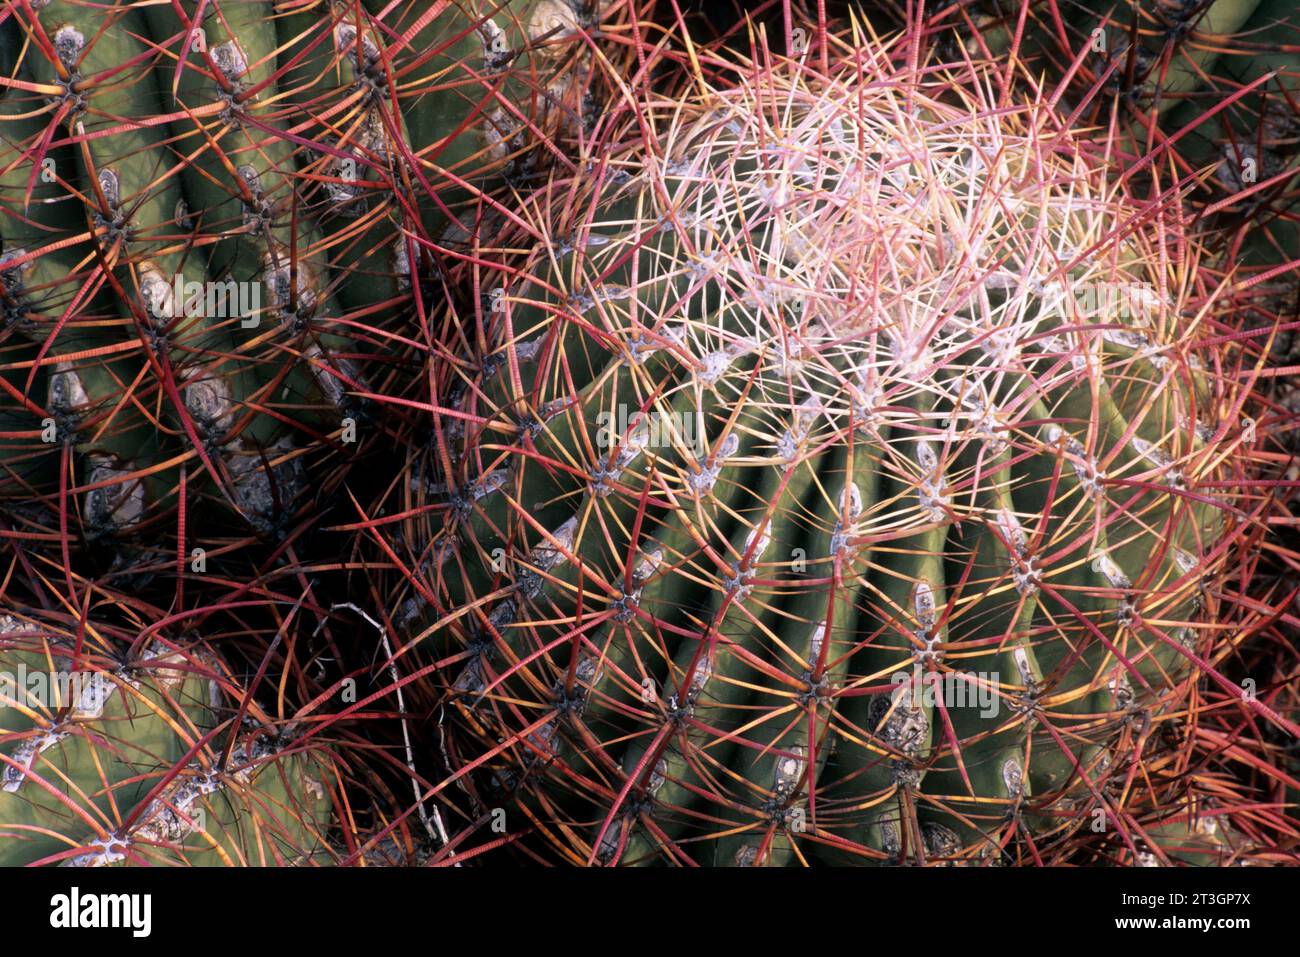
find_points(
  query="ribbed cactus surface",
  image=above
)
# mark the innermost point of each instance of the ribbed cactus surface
(217, 219)
(840, 478)
(561, 429)
(114, 762)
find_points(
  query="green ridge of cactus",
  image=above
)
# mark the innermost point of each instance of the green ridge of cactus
(1251, 146)
(447, 106)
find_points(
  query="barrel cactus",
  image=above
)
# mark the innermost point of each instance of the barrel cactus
(212, 248)
(838, 469)
(113, 760)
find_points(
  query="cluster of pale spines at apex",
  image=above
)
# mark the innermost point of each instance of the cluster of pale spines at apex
(952, 345)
